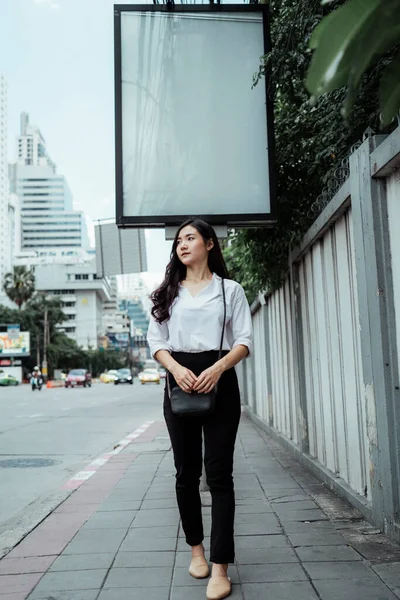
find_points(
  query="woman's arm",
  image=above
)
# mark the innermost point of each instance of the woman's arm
(184, 377)
(209, 378)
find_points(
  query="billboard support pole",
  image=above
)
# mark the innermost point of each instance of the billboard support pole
(44, 365)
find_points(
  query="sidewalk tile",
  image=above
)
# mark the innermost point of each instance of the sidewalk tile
(390, 575)
(310, 527)
(148, 544)
(20, 596)
(302, 515)
(16, 584)
(144, 559)
(59, 595)
(353, 589)
(156, 593)
(114, 506)
(159, 504)
(70, 580)
(281, 591)
(139, 577)
(271, 573)
(92, 541)
(285, 507)
(249, 556)
(338, 570)
(82, 562)
(32, 564)
(110, 520)
(260, 508)
(327, 554)
(267, 527)
(168, 531)
(261, 541)
(166, 495)
(199, 593)
(154, 518)
(74, 507)
(316, 539)
(254, 518)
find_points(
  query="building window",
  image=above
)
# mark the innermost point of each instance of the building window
(85, 276)
(78, 276)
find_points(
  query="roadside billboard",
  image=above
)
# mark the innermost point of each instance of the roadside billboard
(14, 346)
(193, 136)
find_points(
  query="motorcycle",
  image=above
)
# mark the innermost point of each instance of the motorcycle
(36, 383)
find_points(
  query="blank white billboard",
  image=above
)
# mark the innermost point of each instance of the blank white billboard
(194, 134)
(119, 251)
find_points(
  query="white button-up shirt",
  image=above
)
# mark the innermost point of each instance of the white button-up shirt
(195, 323)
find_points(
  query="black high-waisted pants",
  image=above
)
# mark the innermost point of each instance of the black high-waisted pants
(220, 431)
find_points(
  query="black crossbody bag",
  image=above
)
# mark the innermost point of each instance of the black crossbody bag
(195, 404)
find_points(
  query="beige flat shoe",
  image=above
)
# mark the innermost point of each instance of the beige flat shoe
(218, 587)
(199, 568)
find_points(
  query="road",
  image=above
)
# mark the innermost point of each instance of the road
(67, 428)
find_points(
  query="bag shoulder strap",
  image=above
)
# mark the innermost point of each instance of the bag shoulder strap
(223, 327)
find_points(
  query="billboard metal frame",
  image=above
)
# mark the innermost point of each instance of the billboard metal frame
(235, 220)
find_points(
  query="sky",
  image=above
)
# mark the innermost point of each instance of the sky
(57, 57)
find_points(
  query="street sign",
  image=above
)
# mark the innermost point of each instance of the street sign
(193, 137)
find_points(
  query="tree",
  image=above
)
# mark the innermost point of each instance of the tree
(348, 42)
(311, 141)
(19, 285)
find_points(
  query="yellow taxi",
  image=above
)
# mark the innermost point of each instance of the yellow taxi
(149, 376)
(109, 377)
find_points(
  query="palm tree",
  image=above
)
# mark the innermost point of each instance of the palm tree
(19, 285)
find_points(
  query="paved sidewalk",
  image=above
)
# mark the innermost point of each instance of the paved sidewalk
(118, 536)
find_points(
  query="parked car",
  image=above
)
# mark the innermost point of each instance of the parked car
(78, 377)
(7, 379)
(149, 376)
(162, 372)
(109, 377)
(123, 376)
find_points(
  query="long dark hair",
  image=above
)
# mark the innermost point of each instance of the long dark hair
(175, 272)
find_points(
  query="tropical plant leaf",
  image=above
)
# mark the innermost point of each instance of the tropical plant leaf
(332, 38)
(389, 92)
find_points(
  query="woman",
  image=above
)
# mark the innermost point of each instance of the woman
(184, 336)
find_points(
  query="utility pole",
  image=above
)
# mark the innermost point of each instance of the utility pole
(45, 340)
(37, 349)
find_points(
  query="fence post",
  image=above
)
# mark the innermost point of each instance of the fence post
(298, 359)
(376, 328)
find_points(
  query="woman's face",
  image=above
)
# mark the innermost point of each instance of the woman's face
(191, 248)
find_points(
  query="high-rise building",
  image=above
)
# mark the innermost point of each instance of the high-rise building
(5, 244)
(82, 297)
(48, 220)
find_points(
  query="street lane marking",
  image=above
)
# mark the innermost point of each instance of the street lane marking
(79, 478)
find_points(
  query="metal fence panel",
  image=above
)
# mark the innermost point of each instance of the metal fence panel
(393, 205)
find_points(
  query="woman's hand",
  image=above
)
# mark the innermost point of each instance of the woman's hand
(184, 377)
(208, 379)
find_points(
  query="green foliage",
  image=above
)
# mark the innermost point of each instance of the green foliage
(103, 360)
(311, 142)
(19, 285)
(348, 42)
(64, 353)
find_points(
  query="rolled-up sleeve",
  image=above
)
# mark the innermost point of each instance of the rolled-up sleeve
(157, 336)
(242, 327)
